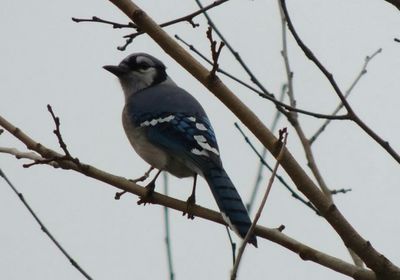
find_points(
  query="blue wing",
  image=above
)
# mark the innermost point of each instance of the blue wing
(190, 137)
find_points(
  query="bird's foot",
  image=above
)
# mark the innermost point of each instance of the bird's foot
(190, 202)
(148, 196)
(140, 179)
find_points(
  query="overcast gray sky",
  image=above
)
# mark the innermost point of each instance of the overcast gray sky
(48, 59)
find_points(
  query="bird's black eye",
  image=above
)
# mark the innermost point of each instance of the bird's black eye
(144, 66)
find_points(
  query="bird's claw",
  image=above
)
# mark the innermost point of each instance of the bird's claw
(148, 196)
(190, 202)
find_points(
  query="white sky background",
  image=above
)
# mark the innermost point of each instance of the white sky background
(48, 59)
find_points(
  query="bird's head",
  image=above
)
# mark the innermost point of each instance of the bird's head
(138, 71)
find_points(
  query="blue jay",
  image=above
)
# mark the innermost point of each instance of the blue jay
(169, 129)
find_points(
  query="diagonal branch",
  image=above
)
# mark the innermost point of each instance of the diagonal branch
(280, 178)
(353, 116)
(269, 97)
(43, 227)
(374, 259)
(363, 71)
(283, 139)
(275, 235)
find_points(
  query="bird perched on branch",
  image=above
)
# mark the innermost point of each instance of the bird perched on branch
(169, 129)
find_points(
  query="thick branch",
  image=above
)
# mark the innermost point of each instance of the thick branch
(305, 252)
(349, 235)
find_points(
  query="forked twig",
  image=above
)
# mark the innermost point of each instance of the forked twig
(215, 51)
(363, 71)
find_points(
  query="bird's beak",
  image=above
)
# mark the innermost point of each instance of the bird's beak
(116, 70)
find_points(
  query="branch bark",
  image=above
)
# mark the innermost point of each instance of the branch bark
(352, 239)
(305, 252)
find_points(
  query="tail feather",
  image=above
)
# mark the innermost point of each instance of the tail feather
(229, 202)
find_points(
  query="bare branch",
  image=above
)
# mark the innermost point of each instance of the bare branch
(19, 154)
(293, 116)
(167, 232)
(260, 93)
(373, 258)
(280, 178)
(43, 227)
(274, 235)
(353, 116)
(262, 156)
(215, 52)
(340, 191)
(234, 53)
(352, 86)
(283, 140)
(114, 25)
(188, 18)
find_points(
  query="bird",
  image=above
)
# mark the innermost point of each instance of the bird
(169, 129)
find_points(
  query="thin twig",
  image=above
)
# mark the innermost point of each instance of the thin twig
(234, 53)
(19, 154)
(44, 228)
(167, 232)
(293, 116)
(340, 191)
(57, 131)
(353, 116)
(280, 178)
(114, 25)
(215, 51)
(283, 140)
(233, 245)
(263, 154)
(260, 93)
(188, 18)
(363, 71)
(54, 160)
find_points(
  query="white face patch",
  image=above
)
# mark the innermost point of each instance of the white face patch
(202, 141)
(192, 119)
(153, 122)
(144, 59)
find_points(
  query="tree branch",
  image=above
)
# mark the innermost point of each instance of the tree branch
(363, 71)
(353, 116)
(269, 97)
(283, 139)
(380, 264)
(275, 235)
(43, 227)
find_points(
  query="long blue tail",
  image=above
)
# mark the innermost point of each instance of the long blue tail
(229, 202)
